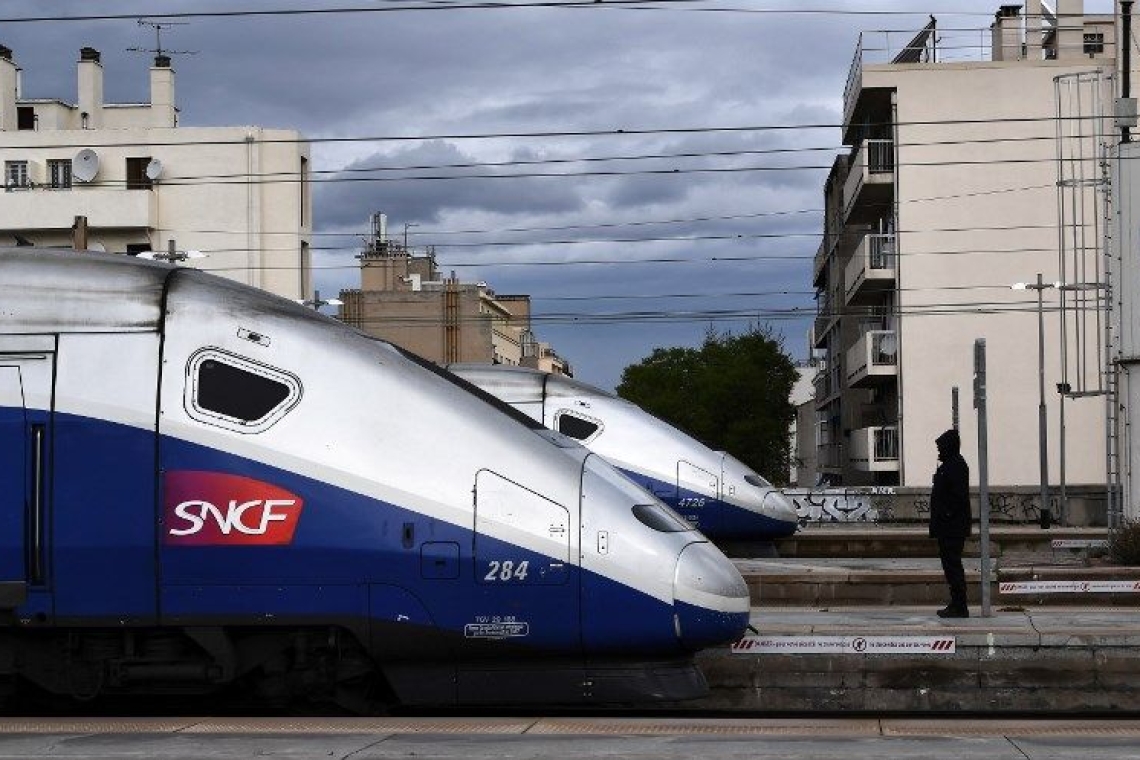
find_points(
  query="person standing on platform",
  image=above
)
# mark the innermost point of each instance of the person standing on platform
(950, 519)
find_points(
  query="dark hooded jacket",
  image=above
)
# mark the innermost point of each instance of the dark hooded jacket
(950, 497)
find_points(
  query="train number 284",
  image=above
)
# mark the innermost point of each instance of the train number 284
(506, 570)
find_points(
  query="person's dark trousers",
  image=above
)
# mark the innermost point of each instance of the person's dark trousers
(950, 552)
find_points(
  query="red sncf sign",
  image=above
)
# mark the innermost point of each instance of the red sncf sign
(213, 508)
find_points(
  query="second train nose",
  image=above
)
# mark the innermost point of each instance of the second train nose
(711, 600)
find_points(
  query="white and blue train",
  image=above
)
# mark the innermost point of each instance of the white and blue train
(203, 485)
(717, 493)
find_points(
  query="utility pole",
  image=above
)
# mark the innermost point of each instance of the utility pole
(983, 470)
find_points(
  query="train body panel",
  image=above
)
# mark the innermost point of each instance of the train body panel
(206, 457)
(718, 494)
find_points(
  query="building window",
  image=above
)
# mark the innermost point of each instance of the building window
(25, 118)
(59, 173)
(15, 174)
(1094, 43)
(136, 173)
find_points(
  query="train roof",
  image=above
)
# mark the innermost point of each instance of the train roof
(45, 290)
(520, 385)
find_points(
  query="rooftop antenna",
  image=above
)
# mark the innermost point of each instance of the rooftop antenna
(158, 50)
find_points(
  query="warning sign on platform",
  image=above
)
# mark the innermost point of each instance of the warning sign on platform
(1079, 543)
(1069, 587)
(845, 645)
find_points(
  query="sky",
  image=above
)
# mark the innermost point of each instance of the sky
(681, 211)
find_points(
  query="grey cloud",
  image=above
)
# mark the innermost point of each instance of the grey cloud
(344, 201)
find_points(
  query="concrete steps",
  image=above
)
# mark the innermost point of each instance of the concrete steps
(869, 541)
(869, 564)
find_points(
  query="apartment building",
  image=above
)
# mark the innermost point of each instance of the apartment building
(403, 298)
(238, 194)
(947, 198)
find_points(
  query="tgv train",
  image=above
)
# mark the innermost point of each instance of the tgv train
(718, 494)
(205, 485)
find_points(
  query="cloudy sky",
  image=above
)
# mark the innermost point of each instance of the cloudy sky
(672, 215)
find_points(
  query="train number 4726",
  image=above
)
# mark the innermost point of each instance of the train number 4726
(506, 570)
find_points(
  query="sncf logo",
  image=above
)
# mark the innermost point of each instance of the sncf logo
(211, 508)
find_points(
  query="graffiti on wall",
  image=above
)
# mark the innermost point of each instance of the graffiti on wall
(872, 504)
(883, 504)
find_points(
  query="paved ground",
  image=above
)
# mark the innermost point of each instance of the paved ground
(608, 739)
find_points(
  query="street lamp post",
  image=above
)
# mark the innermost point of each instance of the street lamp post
(406, 226)
(1042, 423)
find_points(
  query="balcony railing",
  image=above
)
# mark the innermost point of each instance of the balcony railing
(880, 156)
(829, 456)
(872, 267)
(875, 449)
(873, 357)
(872, 167)
(881, 251)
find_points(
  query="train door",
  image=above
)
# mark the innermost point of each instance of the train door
(525, 590)
(26, 371)
(698, 492)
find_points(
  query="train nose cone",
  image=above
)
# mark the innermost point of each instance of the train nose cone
(780, 507)
(710, 599)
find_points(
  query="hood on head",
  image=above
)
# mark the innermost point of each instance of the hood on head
(949, 444)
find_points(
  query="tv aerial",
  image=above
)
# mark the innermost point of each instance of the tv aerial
(158, 50)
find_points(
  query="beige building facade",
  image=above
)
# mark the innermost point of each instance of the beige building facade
(240, 195)
(947, 198)
(403, 298)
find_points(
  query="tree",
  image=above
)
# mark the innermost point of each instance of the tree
(732, 394)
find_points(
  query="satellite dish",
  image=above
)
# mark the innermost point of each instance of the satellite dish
(85, 165)
(154, 169)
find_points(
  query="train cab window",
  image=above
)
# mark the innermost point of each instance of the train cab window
(757, 481)
(237, 393)
(577, 427)
(659, 517)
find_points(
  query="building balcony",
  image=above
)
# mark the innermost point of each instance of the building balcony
(871, 269)
(829, 457)
(819, 264)
(869, 189)
(105, 208)
(875, 449)
(827, 386)
(873, 359)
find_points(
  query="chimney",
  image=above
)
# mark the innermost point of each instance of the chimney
(1070, 30)
(8, 85)
(1033, 28)
(162, 110)
(90, 89)
(1006, 31)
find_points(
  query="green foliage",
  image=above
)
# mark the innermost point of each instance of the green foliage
(1124, 543)
(731, 394)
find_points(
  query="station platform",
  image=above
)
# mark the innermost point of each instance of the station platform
(845, 581)
(1056, 660)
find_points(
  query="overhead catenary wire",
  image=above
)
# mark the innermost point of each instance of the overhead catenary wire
(620, 132)
(292, 175)
(412, 5)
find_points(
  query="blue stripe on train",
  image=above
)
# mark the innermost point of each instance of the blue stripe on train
(347, 558)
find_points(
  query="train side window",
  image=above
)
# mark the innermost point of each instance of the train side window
(577, 427)
(236, 393)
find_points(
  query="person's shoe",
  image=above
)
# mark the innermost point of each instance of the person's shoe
(954, 612)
